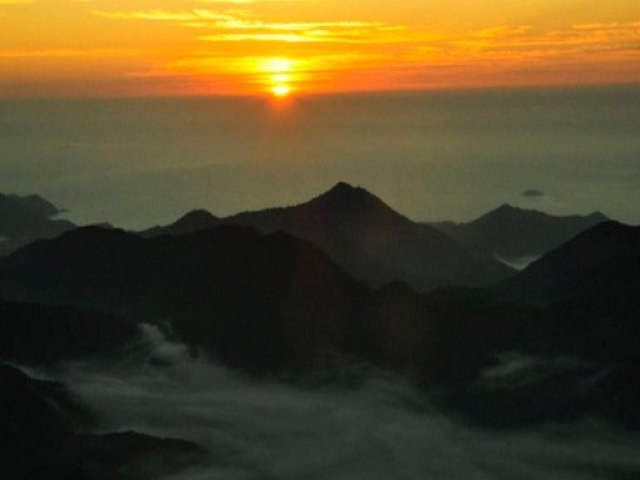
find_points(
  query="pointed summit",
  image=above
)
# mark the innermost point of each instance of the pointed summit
(344, 192)
(371, 240)
(346, 200)
(344, 186)
(344, 189)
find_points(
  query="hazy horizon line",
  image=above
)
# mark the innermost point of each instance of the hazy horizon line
(342, 93)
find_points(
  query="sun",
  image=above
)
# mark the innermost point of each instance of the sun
(278, 75)
(280, 91)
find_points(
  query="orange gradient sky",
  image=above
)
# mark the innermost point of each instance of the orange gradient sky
(177, 47)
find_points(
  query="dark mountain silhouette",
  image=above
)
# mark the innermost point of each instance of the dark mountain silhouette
(512, 232)
(261, 302)
(590, 286)
(366, 237)
(573, 316)
(271, 303)
(25, 219)
(264, 302)
(597, 269)
(192, 222)
(39, 432)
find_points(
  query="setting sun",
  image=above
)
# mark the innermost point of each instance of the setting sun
(278, 74)
(281, 90)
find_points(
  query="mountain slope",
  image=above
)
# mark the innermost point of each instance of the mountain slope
(263, 302)
(373, 242)
(270, 303)
(192, 222)
(599, 266)
(40, 425)
(592, 286)
(512, 232)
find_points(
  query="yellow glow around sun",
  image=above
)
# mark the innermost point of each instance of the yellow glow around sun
(279, 73)
(277, 65)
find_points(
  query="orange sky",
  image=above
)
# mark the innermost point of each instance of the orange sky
(175, 47)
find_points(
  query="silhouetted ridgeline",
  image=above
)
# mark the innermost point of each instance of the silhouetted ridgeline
(192, 222)
(364, 236)
(512, 232)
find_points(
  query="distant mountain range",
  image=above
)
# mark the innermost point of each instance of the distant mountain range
(366, 237)
(361, 233)
(25, 219)
(510, 232)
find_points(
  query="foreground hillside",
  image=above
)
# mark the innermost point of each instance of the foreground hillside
(273, 304)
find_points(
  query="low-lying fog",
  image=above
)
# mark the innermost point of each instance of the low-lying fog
(380, 429)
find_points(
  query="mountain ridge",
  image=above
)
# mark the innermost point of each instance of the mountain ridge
(513, 232)
(371, 240)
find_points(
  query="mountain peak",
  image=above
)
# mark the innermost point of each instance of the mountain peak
(197, 216)
(344, 195)
(598, 216)
(194, 221)
(344, 188)
(507, 208)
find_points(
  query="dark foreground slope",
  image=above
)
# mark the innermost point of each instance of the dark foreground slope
(273, 304)
(512, 232)
(263, 302)
(583, 347)
(42, 335)
(39, 433)
(593, 282)
(600, 267)
(366, 238)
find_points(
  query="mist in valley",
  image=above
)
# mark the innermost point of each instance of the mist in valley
(360, 423)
